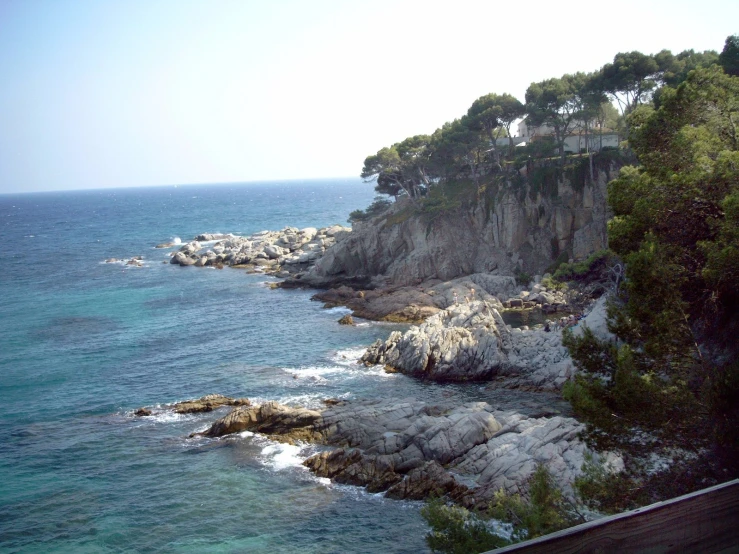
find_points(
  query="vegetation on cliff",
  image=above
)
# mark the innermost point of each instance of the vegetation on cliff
(665, 392)
(473, 147)
(672, 380)
(543, 510)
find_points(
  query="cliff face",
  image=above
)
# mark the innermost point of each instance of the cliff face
(516, 229)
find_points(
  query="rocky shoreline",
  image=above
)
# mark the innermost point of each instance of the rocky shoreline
(411, 449)
(408, 448)
(282, 253)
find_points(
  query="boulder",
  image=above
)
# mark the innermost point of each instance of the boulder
(207, 237)
(470, 342)
(190, 247)
(346, 320)
(464, 342)
(180, 258)
(273, 251)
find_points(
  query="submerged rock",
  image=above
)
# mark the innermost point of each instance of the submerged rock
(208, 403)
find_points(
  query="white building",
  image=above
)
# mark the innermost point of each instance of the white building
(576, 140)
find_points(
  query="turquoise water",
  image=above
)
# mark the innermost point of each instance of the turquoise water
(83, 343)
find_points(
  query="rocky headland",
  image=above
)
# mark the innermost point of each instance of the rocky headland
(520, 228)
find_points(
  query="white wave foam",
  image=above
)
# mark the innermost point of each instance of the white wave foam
(278, 456)
(339, 310)
(176, 240)
(313, 373)
(310, 401)
(348, 356)
(165, 416)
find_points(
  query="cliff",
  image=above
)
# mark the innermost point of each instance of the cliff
(518, 224)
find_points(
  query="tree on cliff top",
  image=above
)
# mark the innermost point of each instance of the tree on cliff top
(402, 167)
(729, 57)
(495, 113)
(631, 78)
(458, 148)
(554, 103)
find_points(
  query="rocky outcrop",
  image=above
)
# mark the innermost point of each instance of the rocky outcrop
(208, 403)
(414, 450)
(414, 304)
(136, 261)
(520, 229)
(471, 342)
(285, 423)
(411, 449)
(464, 342)
(285, 252)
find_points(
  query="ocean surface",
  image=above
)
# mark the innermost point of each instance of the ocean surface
(83, 343)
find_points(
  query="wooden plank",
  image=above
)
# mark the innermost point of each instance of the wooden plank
(705, 521)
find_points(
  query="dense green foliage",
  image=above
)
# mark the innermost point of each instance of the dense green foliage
(473, 147)
(608, 492)
(596, 267)
(676, 224)
(378, 206)
(729, 57)
(455, 530)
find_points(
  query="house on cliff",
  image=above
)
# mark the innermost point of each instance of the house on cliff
(578, 140)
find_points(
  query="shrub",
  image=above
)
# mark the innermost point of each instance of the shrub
(379, 205)
(522, 278)
(545, 512)
(594, 268)
(455, 530)
(551, 284)
(607, 492)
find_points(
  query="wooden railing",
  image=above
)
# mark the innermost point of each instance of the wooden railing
(705, 521)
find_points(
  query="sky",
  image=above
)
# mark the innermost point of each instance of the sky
(104, 93)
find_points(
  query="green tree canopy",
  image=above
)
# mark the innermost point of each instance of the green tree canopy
(403, 167)
(729, 57)
(495, 113)
(459, 148)
(555, 103)
(675, 225)
(632, 77)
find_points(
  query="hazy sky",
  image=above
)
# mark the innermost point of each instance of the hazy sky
(126, 93)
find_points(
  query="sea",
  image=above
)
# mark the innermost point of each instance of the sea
(85, 342)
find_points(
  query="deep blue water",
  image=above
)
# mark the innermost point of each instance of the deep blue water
(83, 343)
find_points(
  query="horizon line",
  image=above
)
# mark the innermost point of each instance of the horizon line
(191, 184)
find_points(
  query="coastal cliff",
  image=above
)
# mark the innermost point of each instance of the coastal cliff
(517, 225)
